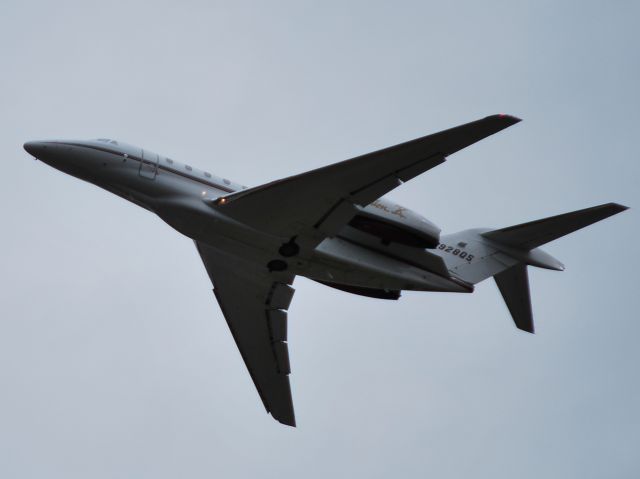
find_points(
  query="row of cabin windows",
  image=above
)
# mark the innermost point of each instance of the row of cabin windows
(206, 173)
(169, 160)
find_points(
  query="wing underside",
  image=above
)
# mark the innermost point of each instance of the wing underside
(318, 203)
(254, 304)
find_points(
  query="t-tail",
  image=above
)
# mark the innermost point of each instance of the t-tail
(504, 254)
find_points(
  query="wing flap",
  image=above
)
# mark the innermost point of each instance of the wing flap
(282, 357)
(336, 218)
(280, 296)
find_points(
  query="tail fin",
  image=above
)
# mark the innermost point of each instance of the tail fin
(504, 254)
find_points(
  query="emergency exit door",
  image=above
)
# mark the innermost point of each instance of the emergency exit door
(149, 165)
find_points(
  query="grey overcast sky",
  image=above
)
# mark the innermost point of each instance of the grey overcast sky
(115, 361)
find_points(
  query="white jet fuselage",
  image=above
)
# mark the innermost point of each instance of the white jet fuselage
(331, 225)
(189, 200)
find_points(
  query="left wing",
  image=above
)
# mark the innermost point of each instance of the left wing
(254, 303)
(319, 203)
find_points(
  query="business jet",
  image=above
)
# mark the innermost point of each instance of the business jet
(332, 225)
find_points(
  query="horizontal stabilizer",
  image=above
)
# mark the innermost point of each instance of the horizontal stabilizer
(513, 284)
(528, 236)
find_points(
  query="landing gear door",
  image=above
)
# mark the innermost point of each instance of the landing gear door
(149, 165)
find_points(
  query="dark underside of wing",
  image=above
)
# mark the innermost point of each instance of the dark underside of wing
(254, 304)
(320, 202)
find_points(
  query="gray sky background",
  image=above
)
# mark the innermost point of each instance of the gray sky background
(115, 361)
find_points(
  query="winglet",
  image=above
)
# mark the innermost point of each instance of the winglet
(512, 120)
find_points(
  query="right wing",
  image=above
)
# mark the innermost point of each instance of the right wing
(318, 203)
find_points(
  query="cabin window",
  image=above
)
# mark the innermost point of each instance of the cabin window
(170, 161)
(207, 174)
(188, 168)
(226, 182)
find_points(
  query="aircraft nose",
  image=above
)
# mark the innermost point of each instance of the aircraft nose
(35, 148)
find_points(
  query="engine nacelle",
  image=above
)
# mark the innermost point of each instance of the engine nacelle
(393, 223)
